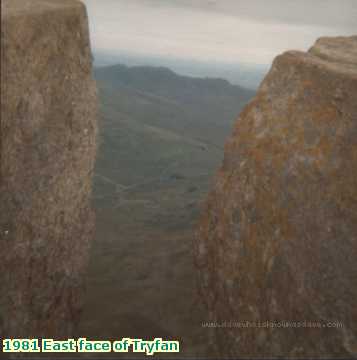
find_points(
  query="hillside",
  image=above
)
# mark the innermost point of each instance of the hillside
(161, 138)
(153, 119)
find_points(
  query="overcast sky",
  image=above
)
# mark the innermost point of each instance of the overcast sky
(225, 31)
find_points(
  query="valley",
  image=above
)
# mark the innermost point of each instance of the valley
(161, 141)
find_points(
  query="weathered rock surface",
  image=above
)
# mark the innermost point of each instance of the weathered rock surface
(48, 136)
(278, 238)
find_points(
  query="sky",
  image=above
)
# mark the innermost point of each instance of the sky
(220, 32)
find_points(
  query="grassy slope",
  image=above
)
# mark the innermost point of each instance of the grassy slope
(161, 140)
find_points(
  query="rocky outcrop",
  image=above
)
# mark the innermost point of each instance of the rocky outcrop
(278, 238)
(48, 136)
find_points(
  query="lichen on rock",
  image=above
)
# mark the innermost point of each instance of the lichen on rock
(277, 240)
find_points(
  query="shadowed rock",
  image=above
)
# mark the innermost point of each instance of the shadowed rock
(48, 133)
(278, 237)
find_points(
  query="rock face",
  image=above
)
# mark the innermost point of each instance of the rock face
(48, 144)
(278, 238)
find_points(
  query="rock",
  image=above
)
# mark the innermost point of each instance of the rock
(48, 144)
(277, 240)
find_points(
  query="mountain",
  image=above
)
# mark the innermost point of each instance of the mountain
(152, 117)
(237, 73)
(161, 139)
(160, 97)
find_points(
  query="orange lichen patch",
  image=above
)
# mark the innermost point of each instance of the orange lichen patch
(321, 152)
(307, 83)
(325, 114)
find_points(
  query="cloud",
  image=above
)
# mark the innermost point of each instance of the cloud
(221, 31)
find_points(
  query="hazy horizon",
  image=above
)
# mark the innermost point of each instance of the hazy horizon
(223, 34)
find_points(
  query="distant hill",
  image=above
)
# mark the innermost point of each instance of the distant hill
(244, 74)
(163, 81)
(203, 108)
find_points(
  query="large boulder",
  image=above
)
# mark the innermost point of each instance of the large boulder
(277, 243)
(48, 144)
